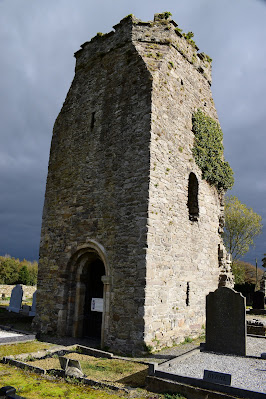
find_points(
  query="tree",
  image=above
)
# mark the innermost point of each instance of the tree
(239, 273)
(8, 270)
(33, 272)
(24, 276)
(242, 225)
(246, 273)
(12, 271)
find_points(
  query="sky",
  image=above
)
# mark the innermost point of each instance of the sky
(38, 40)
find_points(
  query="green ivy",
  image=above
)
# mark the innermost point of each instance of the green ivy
(208, 151)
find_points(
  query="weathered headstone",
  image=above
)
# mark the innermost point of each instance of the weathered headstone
(63, 362)
(256, 327)
(33, 306)
(258, 300)
(16, 299)
(73, 372)
(71, 367)
(226, 322)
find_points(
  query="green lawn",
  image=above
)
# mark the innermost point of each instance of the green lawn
(33, 386)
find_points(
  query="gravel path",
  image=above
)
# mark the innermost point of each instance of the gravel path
(7, 334)
(247, 373)
(14, 336)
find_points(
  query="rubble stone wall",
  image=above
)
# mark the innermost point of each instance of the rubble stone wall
(182, 255)
(28, 290)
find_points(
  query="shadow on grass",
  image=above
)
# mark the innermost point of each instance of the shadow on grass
(135, 380)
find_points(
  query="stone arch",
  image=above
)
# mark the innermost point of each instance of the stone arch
(81, 267)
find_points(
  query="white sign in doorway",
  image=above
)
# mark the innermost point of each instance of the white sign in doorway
(97, 304)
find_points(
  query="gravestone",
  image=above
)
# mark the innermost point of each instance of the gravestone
(33, 306)
(258, 300)
(16, 299)
(218, 378)
(226, 322)
(263, 284)
(71, 367)
(63, 362)
(256, 327)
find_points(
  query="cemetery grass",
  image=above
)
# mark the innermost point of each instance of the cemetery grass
(23, 347)
(32, 386)
(119, 372)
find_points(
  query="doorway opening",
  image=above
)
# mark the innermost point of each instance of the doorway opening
(92, 312)
(88, 293)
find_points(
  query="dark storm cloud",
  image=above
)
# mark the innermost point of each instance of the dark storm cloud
(38, 40)
(249, 163)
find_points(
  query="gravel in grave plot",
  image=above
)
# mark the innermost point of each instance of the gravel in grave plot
(101, 369)
(247, 372)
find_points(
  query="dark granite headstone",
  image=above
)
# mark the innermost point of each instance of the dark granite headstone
(258, 300)
(226, 322)
(217, 378)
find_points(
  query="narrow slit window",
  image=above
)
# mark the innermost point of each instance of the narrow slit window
(92, 120)
(193, 205)
(187, 294)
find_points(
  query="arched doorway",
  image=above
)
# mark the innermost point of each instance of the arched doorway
(88, 295)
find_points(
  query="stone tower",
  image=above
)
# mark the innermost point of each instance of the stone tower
(130, 233)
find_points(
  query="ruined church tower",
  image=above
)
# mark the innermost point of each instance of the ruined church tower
(130, 242)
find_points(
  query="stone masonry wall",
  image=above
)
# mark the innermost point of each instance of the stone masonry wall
(97, 185)
(182, 255)
(120, 160)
